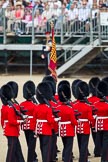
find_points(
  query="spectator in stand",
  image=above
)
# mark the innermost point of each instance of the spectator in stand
(27, 18)
(73, 17)
(46, 16)
(29, 4)
(73, 12)
(59, 3)
(10, 17)
(89, 3)
(19, 14)
(5, 3)
(24, 3)
(11, 3)
(83, 17)
(95, 11)
(37, 22)
(105, 3)
(56, 12)
(63, 17)
(38, 6)
(68, 4)
(51, 4)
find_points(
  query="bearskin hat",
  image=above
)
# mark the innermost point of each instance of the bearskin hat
(50, 78)
(52, 86)
(14, 87)
(44, 92)
(93, 82)
(102, 89)
(105, 79)
(64, 82)
(64, 92)
(29, 89)
(6, 94)
(81, 90)
(73, 86)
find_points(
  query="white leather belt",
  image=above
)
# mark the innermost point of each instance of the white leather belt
(57, 119)
(43, 121)
(83, 120)
(67, 122)
(20, 121)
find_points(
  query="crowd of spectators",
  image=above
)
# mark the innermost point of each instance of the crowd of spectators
(21, 15)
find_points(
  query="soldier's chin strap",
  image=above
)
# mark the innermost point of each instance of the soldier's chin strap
(45, 100)
(94, 109)
(53, 99)
(55, 112)
(103, 97)
(84, 97)
(31, 96)
(68, 103)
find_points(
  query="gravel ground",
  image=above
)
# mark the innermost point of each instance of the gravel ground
(20, 79)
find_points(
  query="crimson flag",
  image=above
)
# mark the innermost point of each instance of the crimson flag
(53, 58)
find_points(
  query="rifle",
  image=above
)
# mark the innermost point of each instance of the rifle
(21, 107)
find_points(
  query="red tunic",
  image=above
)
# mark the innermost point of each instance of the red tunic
(44, 119)
(9, 121)
(93, 99)
(102, 116)
(68, 121)
(85, 118)
(29, 106)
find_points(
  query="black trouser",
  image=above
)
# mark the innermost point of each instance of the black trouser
(45, 146)
(104, 156)
(53, 147)
(14, 153)
(67, 150)
(93, 137)
(31, 143)
(83, 140)
(98, 143)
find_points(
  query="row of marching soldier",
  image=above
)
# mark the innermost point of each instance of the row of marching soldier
(51, 114)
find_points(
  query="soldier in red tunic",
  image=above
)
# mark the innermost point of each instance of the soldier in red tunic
(54, 105)
(28, 127)
(67, 123)
(44, 120)
(101, 125)
(11, 125)
(93, 82)
(84, 120)
(66, 83)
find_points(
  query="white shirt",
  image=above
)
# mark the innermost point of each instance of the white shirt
(83, 14)
(73, 14)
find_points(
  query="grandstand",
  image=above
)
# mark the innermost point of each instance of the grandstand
(81, 33)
